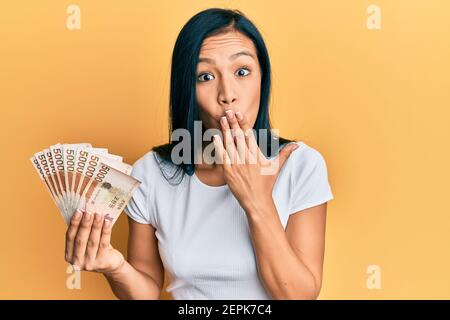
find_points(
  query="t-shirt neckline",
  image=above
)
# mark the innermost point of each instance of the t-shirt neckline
(197, 179)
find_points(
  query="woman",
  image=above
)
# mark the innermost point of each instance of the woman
(222, 230)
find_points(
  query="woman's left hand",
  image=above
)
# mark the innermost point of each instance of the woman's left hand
(248, 173)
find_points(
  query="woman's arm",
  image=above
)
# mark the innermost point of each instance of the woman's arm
(290, 262)
(129, 283)
(142, 276)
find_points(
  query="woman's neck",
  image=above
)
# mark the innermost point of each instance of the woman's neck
(204, 165)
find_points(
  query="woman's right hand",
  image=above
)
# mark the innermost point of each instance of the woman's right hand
(88, 244)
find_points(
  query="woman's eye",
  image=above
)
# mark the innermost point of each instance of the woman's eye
(205, 77)
(243, 72)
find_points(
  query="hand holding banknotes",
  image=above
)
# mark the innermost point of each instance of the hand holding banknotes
(90, 187)
(88, 244)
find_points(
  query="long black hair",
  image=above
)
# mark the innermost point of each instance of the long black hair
(183, 105)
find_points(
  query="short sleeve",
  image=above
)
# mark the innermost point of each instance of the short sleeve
(138, 206)
(310, 186)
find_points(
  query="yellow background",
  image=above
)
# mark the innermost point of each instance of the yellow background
(375, 103)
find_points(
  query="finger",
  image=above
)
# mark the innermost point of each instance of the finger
(94, 240)
(245, 126)
(253, 147)
(81, 239)
(105, 240)
(221, 154)
(228, 140)
(242, 120)
(71, 234)
(249, 134)
(232, 120)
(242, 150)
(238, 134)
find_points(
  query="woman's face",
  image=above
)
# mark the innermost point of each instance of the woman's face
(228, 78)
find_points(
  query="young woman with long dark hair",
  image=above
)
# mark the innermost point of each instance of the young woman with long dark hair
(221, 229)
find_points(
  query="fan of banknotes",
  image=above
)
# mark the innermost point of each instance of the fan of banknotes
(79, 176)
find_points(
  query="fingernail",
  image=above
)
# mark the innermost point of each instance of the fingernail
(107, 223)
(77, 215)
(223, 120)
(75, 267)
(239, 115)
(87, 216)
(230, 114)
(98, 217)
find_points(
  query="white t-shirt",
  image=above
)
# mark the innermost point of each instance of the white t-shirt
(203, 233)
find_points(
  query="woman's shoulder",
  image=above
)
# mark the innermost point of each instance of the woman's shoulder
(146, 160)
(306, 158)
(145, 167)
(155, 169)
(308, 177)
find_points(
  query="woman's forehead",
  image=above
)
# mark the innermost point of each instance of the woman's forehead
(232, 40)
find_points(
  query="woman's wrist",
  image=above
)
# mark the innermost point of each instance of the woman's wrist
(259, 206)
(116, 271)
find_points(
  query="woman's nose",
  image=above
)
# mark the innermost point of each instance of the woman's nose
(228, 101)
(227, 95)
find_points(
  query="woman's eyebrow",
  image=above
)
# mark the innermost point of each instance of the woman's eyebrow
(241, 53)
(232, 57)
